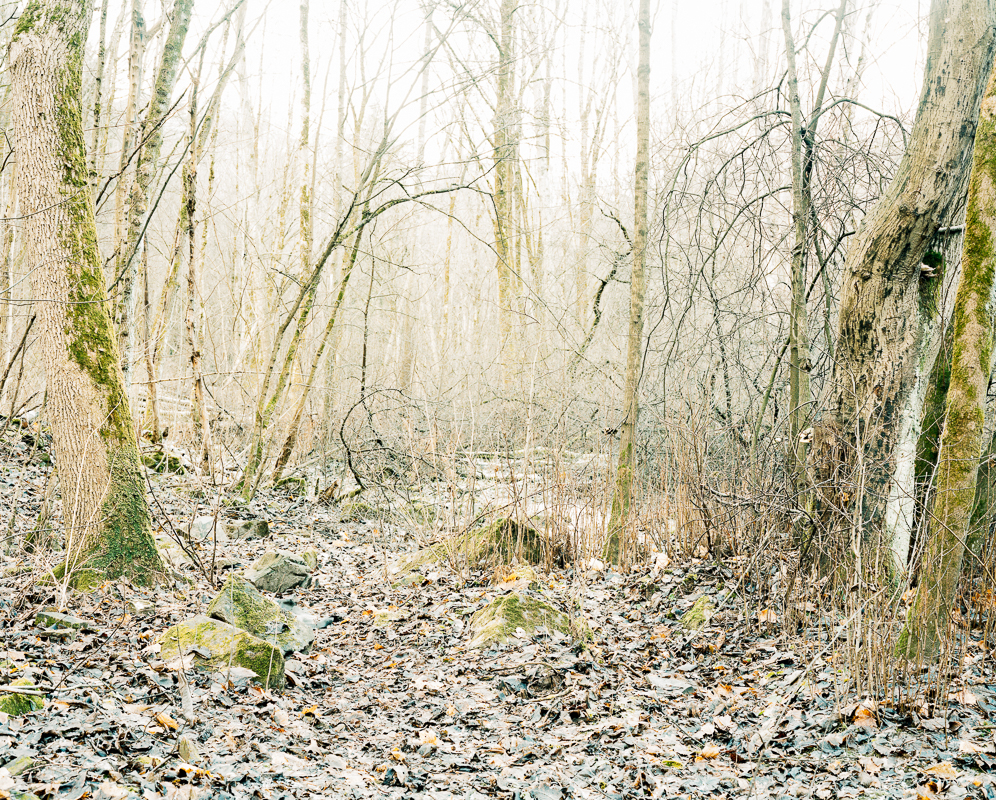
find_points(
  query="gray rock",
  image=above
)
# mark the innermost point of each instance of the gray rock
(248, 529)
(201, 528)
(54, 619)
(241, 604)
(140, 608)
(19, 765)
(215, 645)
(279, 572)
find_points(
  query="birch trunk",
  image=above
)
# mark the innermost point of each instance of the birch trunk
(888, 330)
(108, 527)
(961, 439)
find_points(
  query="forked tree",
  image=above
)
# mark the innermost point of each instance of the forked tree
(889, 321)
(108, 526)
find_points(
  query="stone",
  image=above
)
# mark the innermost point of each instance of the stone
(187, 747)
(501, 542)
(54, 619)
(698, 615)
(202, 527)
(140, 608)
(241, 604)
(19, 765)
(310, 557)
(248, 529)
(16, 703)
(279, 572)
(211, 644)
(171, 552)
(505, 616)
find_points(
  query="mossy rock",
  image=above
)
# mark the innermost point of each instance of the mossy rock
(699, 614)
(293, 486)
(15, 704)
(278, 572)
(500, 619)
(51, 618)
(247, 529)
(359, 511)
(163, 463)
(497, 543)
(216, 645)
(19, 765)
(241, 604)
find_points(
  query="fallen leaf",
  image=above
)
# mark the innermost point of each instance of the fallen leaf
(167, 721)
(710, 751)
(944, 770)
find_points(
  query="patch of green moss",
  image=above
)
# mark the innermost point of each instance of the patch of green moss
(29, 17)
(496, 543)
(294, 486)
(163, 463)
(16, 704)
(126, 545)
(226, 645)
(499, 620)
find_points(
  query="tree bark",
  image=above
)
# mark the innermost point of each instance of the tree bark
(504, 154)
(626, 467)
(150, 144)
(889, 325)
(108, 526)
(961, 439)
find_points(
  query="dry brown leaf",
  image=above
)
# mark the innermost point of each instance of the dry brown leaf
(710, 751)
(965, 697)
(767, 617)
(167, 721)
(864, 717)
(944, 770)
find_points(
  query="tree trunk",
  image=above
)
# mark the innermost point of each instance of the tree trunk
(150, 144)
(504, 149)
(634, 350)
(108, 527)
(961, 439)
(888, 329)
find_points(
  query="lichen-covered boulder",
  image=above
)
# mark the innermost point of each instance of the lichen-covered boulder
(248, 529)
(241, 604)
(15, 703)
(215, 645)
(498, 543)
(50, 618)
(699, 614)
(502, 618)
(279, 572)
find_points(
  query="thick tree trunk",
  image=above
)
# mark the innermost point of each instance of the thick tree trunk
(108, 527)
(888, 330)
(634, 350)
(961, 439)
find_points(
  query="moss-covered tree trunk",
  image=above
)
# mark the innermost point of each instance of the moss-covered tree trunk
(889, 327)
(961, 439)
(148, 162)
(505, 152)
(634, 350)
(108, 528)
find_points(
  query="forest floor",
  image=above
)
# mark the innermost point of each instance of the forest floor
(395, 705)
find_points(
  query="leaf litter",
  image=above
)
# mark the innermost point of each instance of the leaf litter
(390, 702)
